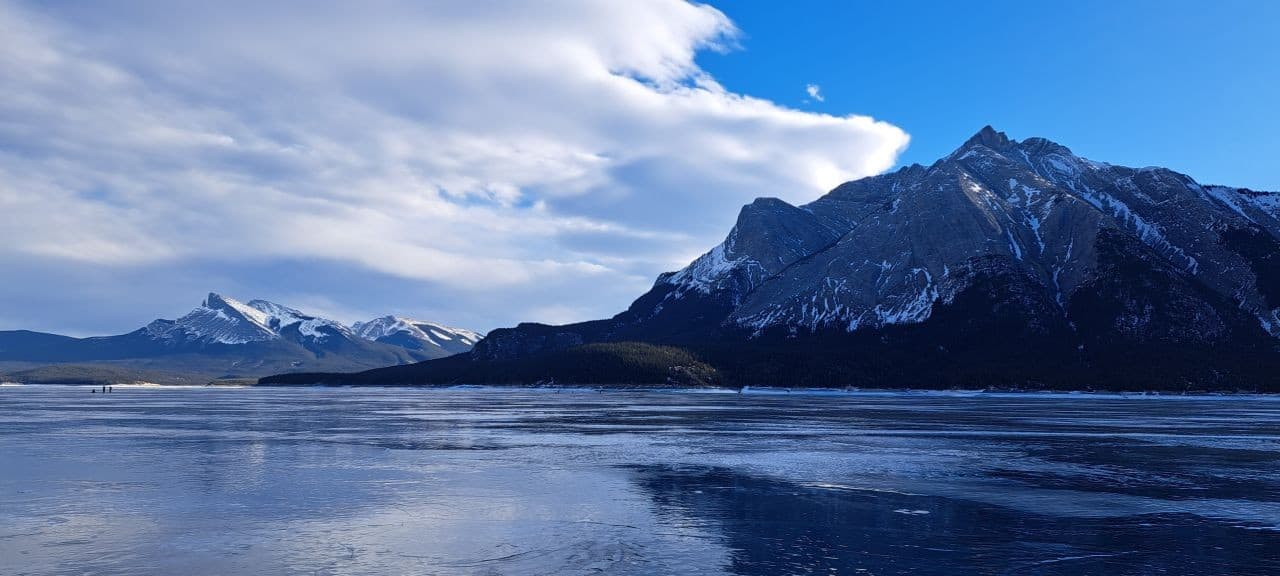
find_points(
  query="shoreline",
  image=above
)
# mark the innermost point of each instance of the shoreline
(746, 391)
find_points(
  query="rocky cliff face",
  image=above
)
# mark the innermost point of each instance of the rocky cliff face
(999, 241)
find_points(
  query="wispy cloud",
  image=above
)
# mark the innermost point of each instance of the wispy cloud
(504, 155)
(814, 91)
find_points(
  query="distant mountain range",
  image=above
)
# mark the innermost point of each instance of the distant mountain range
(226, 338)
(1004, 263)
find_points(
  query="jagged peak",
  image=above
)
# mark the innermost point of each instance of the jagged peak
(216, 301)
(769, 202)
(213, 300)
(387, 318)
(218, 319)
(989, 137)
(269, 316)
(759, 212)
(763, 205)
(1033, 152)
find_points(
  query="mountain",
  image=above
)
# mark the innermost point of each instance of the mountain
(1005, 263)
(224, 338)
(417, 335)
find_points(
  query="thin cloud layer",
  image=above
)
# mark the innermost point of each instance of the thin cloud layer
(515, 159)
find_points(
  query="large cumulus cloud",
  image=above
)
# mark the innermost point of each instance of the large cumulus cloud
(484, 162)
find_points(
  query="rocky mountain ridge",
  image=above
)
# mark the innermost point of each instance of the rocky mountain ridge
(1004, 263)
(1033, 205)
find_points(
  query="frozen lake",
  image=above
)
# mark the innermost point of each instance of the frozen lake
(403, 481)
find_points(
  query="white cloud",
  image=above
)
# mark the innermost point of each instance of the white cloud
(471, 148)
(814, 91)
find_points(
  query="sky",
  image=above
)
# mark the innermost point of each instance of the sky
(484, 164)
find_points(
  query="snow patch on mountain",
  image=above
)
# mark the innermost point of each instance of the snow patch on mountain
(1266, 201)
(1231, 198)
(438, 335)
(705, 272)
(280, 317)
(252, 314)
(1248, 203)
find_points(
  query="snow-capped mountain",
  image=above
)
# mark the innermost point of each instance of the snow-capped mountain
(417, 334)
(283, 320)
(226, 336)
(1005, 259)
(889, 249)
(218, 320)
(223, 320)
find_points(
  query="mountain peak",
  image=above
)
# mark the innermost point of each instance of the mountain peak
(769, 202)
(416, 334)
(990, 138)
(762, 209)
(218, 319)
(235, 308)
(213, 300)
(888, 249)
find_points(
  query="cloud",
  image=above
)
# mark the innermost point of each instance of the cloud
(474, 151)
(814, 91)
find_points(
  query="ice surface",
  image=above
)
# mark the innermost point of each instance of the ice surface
(490, 481)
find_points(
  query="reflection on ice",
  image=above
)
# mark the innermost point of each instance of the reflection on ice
(482, 481)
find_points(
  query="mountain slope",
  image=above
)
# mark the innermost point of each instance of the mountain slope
(1004, 263)
(222, 337)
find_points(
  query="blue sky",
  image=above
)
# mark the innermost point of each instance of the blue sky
(1189, 85)
(482, 164)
